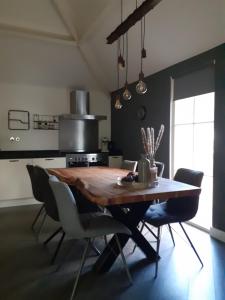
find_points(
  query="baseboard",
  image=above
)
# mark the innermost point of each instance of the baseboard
(18, 202)
(217, 234)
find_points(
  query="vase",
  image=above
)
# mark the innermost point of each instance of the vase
(144, 170)
(153, 171)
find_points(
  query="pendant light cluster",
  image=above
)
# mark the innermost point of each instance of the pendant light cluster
(122, 64)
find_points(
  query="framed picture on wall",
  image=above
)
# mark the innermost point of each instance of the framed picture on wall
(18, 119)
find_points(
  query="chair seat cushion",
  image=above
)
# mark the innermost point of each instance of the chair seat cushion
(97, 224)
(158, 215)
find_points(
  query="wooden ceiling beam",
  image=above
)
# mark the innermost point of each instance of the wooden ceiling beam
(132, 19)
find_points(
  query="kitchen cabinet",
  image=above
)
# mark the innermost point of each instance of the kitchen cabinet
(50, 162)
(14, 179)
(115, 161)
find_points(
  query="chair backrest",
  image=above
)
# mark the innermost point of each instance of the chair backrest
(42, 181)
(187, 206)
(129, 165)
(68, 212)
(160, 167)
(33, 178)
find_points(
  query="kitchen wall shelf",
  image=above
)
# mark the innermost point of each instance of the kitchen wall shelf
(45, 122)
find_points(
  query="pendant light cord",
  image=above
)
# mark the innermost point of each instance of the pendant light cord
(143, 34)
(126, 56)
(141, 43)
(117, 66)
(142, 39)
(121, 52)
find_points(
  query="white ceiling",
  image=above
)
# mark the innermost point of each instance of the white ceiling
(32, 14)
(32, 61)
(175, 30)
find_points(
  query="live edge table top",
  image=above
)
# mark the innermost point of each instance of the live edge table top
(99, 185)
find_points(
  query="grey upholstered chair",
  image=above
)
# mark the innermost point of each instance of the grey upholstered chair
(176, 210)
(47, 196)
(129, 165)
(84, 226)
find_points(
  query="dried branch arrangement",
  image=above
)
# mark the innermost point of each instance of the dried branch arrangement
(149, 143)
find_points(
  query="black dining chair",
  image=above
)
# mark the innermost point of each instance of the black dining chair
(176, 210)
(160, 169)
(36, 193)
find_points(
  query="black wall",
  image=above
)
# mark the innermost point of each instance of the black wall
(126, 126)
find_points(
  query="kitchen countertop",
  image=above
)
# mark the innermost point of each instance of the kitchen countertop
(41, 154)
(31, 154)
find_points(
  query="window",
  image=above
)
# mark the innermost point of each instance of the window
(193, 131)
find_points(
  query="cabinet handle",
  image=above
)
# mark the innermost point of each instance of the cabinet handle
(49, 159)
(14, 160)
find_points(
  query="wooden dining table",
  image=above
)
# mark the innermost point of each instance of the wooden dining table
(102, 186)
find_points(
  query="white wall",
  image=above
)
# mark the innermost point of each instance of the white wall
(42, 100)
(35, 99)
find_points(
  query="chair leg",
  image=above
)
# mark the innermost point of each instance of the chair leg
(149, 229)
(42, 223)
(105, 239)
(157, 251)
(37, 216)
(80, 269)
(135, 245)
(124, 260)
(52, 236)
(94, 248)
(171, 234)
(58, 248)
(192, 246)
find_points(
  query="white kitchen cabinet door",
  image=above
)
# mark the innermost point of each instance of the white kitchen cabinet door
(14, 179)
(50, 162)
(115, 161)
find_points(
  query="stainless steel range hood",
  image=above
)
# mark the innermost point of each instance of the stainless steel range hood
(79, 107)
(78, 131)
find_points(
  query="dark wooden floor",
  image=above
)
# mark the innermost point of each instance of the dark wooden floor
(25, 272)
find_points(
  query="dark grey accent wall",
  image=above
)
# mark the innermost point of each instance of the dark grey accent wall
(126, 126)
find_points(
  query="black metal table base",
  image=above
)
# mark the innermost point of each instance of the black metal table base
(131, 219)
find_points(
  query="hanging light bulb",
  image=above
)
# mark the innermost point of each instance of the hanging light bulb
(126, 94)
(141, 87)
(118, 104)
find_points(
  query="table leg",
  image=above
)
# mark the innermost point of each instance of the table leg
(131, 219)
